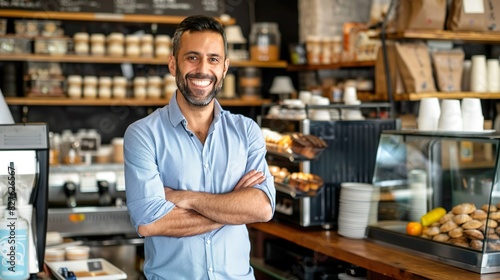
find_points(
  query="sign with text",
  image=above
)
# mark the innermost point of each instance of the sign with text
(147, 7)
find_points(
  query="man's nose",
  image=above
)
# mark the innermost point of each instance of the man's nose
(203, 66)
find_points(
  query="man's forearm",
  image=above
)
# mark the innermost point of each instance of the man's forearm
(248, 205)
(178, 223)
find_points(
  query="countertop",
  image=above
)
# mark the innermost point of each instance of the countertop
(384, 259)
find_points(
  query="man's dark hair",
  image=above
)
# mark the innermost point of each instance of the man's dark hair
(197, 23)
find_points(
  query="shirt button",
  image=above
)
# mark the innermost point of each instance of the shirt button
(208, 242)
(210, 269)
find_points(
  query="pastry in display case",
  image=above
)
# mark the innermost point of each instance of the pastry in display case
(440, 196)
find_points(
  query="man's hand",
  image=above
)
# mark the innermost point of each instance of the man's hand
(244, 204)
(181, 198)
(250, 179)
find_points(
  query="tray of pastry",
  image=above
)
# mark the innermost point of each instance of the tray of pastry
(296, 184)
(295, 146)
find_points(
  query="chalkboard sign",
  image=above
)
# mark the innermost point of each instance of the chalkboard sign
(145, 7)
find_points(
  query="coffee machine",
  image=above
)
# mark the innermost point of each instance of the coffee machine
(26, 146)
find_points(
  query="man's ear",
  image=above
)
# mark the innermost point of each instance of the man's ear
(172, 65)
(226, 67)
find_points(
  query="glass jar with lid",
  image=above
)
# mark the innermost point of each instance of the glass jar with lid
(265, 40)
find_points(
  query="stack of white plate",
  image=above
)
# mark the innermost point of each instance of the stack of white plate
(357, 208)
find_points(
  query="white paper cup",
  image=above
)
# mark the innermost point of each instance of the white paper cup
(493, 75)
(428, 113)
(350, 95)
(305, 96)
(471, 106)
(473, 123)
(450, 118)
(478, 82)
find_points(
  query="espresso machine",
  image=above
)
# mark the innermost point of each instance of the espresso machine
(26, 146)
(87, 205)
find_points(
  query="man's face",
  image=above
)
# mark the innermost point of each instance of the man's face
(200, 66)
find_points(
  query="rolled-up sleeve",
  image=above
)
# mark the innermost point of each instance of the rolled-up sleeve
(257, 161)
(145, 196)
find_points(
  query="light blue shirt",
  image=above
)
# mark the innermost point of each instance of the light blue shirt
(160, 151)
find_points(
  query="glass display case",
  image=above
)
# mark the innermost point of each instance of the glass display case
(457, 173)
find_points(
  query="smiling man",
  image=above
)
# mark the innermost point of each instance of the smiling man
(195, 173)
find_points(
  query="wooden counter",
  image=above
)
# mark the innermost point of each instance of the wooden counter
(382, 259)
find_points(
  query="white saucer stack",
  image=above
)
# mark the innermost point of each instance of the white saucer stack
(358, 208)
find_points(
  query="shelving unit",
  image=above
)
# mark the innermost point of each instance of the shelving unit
(479, 37)
(48, 15)
(445, 95)
(348, 64)
(55, 101)
(447, 35)
(72, 58)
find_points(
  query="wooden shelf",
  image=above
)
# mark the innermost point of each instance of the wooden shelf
(54, 101)
(260, 64)
(480, 37)
(370, 96)
(445, 95)
(72, 58)
(105, 17)
(349, 64)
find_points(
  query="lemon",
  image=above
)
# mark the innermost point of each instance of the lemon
(433, 216)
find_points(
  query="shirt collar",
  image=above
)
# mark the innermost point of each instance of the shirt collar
(175, 115)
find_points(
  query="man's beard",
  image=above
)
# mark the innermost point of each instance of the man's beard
(188, 94)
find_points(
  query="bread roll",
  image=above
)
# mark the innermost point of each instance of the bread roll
(495, 215)
(442, 237)
(447, 217)
(463, 242)
(476, 244)
(464, 208)
(474, 234)
(472, 224)
(461, 219)
(489, 208)
(456, 232)
(448, 226)
(432, 231)
(490, 223)
(479, 214)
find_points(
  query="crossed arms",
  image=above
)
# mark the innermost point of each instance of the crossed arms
(200, 212)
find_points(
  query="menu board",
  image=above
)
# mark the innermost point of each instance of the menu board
(146, 7)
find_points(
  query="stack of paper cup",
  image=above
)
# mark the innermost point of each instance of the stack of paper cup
(428, 114)
(478, 78)
(450, 118)
(356, 204)
(305, 96)
(350, 95)
(417, 180)
(472, 114)
(321, 114)
(493, 75)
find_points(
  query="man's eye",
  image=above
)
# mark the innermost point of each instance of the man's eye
(193, 58)
(214, 59)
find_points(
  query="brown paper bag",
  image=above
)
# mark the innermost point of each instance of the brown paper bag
(420, 14)
(493, 15)
(459, 19)
(415, 67)
(380, 77)
(448, 68)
